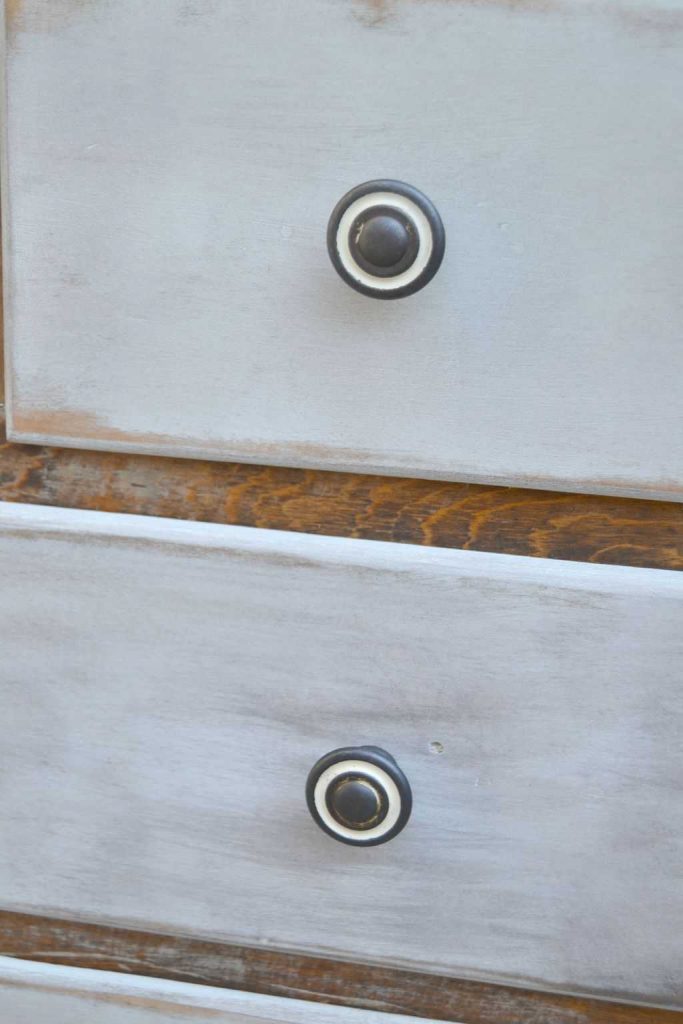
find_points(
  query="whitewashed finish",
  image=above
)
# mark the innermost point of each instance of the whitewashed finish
(166, 687)
(32, 993)
(172, 166)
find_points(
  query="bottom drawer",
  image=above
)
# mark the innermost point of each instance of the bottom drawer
(166, 688)
(33, 993)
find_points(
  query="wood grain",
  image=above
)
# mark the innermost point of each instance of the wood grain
(546, 524)
(315, 978)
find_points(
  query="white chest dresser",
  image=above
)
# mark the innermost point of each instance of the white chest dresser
(438, 240)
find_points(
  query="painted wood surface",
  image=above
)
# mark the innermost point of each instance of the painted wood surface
(167, 686)
(31, 992)
(171, 169)
(319, 979)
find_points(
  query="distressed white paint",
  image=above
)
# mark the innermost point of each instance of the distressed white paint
(32, 993)
(171, 170)
(167, 686)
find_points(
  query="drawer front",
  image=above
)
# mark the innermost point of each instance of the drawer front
(171, 169)
(167, 687)
(32, 993)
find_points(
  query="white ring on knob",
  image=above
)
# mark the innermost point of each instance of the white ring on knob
(410, 210)
(370, 771)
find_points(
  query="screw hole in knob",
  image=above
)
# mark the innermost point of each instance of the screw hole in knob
(386, 239)
(359, 795)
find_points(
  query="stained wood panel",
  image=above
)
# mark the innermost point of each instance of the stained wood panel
(171, 169)
(167, 687)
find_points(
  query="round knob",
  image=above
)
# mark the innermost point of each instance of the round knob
(386, 239)
(359, 795)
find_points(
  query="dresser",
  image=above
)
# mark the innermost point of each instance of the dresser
(340, 512)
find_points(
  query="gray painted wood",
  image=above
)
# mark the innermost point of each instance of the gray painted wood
(166, 687)
(32, 993)
(171, 169)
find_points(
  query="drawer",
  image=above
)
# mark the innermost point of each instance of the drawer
(171, 171)
(31, 993)
(167, 687)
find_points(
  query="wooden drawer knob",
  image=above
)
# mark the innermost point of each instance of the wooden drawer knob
(386, 239)
(359, 795)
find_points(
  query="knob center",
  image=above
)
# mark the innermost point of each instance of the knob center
(356, 802)
(383, 240)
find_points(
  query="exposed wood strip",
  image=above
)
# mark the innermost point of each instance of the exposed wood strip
(313, 978)
(480, 518)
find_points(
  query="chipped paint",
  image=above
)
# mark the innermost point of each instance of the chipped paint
(77, 428)
(13, 12)
(661, 18)
(373, 13)
(29, 16)
(64, 426)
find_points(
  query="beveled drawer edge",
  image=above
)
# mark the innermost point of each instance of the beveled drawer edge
(147, 996)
